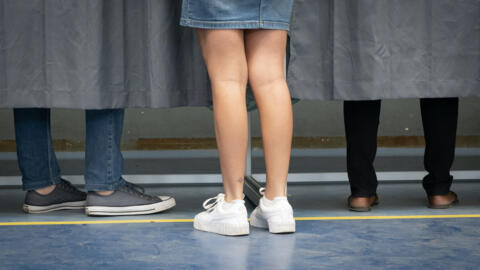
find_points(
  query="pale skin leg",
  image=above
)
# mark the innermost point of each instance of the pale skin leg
(233, 57)
(265, 50)
(224, 54)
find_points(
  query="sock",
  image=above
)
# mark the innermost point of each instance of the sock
(267, 202)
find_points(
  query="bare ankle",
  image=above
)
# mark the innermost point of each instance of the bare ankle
(274, 192)
(45, 190)
(105, 192)
(232, 197)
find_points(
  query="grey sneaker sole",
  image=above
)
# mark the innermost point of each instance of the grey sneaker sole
(130, 210)
(33, 209)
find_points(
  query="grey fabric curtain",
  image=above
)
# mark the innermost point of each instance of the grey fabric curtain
(98, 54)
(92, 54)
(381, 49)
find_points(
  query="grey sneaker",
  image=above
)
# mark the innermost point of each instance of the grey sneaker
(64, 196)
(127, 200)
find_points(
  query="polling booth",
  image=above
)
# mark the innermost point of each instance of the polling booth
(120, 54)
(133, 54)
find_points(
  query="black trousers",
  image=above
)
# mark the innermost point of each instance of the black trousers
(439, 117)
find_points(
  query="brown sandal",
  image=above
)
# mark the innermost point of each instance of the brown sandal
(362, 208)
(443, 206)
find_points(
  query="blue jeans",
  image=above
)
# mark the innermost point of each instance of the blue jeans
(37, 160)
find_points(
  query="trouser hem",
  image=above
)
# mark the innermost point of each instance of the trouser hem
(433, 187)
(104, 187)
(39, 184)
(361, 194)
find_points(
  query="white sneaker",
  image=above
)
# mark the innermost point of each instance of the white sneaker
(222, 217)
(276, 215)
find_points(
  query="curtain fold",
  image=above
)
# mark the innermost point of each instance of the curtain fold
(94, 54)
(385, 49)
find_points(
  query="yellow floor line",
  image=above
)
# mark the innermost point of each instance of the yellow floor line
(83, 222)
(389, 217)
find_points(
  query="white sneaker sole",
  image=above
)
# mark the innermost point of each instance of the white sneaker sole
(130, 210)
(273, 227)
(223, 229)
(33, 209)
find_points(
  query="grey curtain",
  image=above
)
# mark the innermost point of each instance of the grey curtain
(98, 54)
(380, 49)
(93, 54)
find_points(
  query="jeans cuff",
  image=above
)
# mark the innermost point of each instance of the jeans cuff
(106, 186)
(33, 184)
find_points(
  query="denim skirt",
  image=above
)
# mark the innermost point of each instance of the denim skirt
(237, 14)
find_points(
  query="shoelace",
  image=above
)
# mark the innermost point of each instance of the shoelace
(210, 206)
(135, 187)
(136, 190)
(68, 186)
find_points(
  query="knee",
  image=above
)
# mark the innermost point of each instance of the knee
(230, 78)
(232, 84)
(265, 80)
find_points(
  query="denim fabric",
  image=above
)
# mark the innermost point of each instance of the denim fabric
(36, 156)
(234, 14)
(103, 159)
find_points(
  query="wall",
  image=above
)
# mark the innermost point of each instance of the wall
(311, 118)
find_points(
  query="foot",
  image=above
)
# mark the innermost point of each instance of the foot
(129, 199)
(442, 201)
(362, 204)
(276, 215)
(222, 217)
(63, 196)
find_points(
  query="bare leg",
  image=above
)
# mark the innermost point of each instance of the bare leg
(265, 50)
(224, 54)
